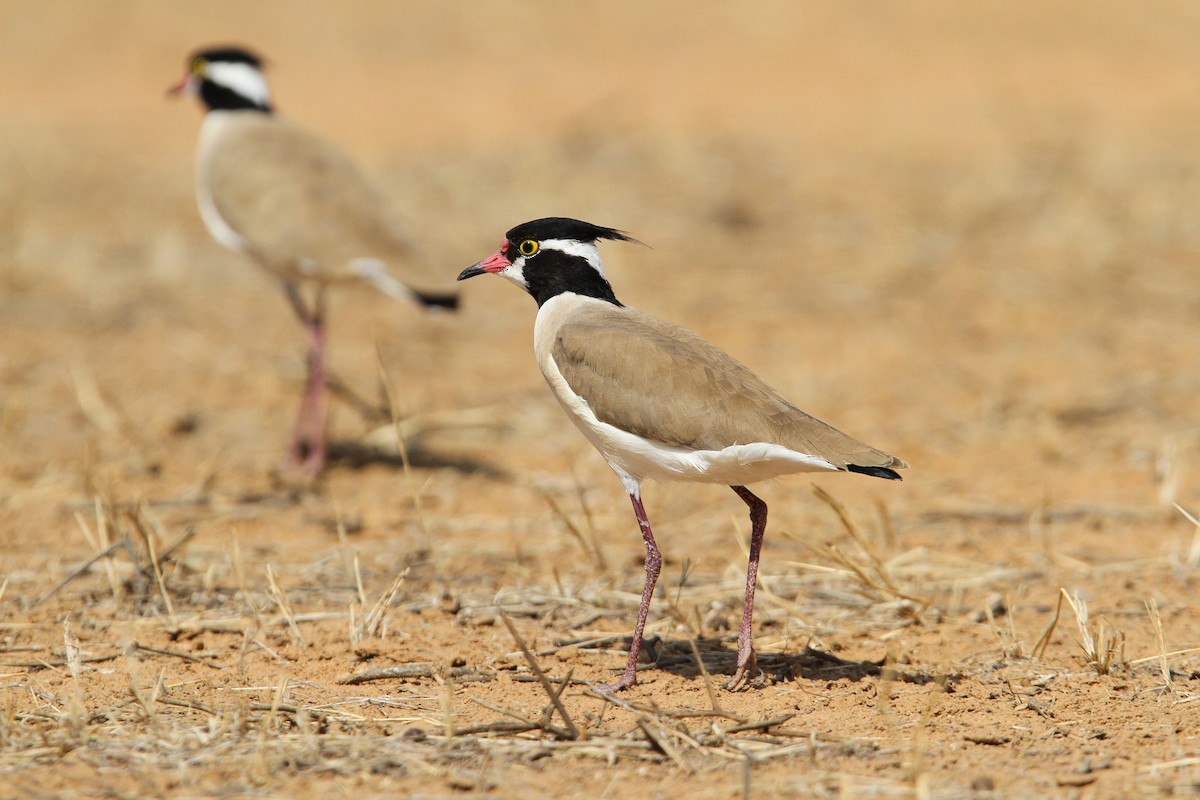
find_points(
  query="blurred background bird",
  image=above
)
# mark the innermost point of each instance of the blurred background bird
(301, 208)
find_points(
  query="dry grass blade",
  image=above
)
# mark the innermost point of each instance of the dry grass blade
(374, 623)
(1039, 649)
(91, 402)
(151, 533)
(713, 696)
(1104, 649)
(842, 514)
(1193, 553)
(586, 540)
(876, 574)
(1159, 639)
(239, 572)
(446, 695)
(1172, 463)
(872, 577)
(76, 716)
(350, 558)
(100, 541)
(399, 434)
(1009, 644)
(520, 718)
(1187, 651)
(285, 608)
(571, 732)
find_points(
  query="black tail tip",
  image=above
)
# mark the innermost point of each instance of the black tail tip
(444, 300)
(876, 472)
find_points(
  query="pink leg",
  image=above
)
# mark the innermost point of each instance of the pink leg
(306, 452)
(747, 662)
(653, 567)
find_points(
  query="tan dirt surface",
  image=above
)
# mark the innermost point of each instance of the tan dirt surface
(966, 233)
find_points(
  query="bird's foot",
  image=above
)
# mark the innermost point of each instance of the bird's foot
(747, 670)
(305, 457)
(301, 466)
(628, 678)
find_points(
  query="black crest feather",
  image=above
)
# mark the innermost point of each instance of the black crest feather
(234, 54)
(565, 228)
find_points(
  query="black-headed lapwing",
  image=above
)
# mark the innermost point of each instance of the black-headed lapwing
(299, 207)
(658, 401)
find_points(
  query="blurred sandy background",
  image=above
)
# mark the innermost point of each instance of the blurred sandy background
(964, 232)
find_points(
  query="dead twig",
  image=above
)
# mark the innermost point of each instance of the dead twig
(192, 704)
(60, 662)
(571, 732)
(661, 742)
(499, 726)
(105, 553)
(415, 670)
(761, 725)
(137, 646)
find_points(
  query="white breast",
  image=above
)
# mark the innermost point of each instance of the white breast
(632, 456)
(215, 133)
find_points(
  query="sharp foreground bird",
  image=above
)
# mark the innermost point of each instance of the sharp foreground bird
(301, 209)
(659, 402)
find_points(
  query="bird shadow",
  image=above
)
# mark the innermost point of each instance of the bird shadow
(356, 455)
(677, 657)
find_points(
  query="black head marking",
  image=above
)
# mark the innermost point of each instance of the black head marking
(550, 271)
(233, 54)
(216, 96)
(565, 228)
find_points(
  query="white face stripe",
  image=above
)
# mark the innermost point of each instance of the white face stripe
(585, 250)
(246, 80)
(515, 272)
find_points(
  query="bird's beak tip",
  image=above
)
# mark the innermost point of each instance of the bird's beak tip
(179, 87)
(470, 272)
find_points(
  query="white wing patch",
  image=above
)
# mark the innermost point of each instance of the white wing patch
(373, 271)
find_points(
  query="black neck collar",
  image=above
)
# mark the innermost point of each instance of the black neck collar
(552, 273)
(221, 98)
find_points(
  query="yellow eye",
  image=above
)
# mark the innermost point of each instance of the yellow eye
(528, 247)
(199, 66)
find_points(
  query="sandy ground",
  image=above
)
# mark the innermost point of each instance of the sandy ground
(965, 233)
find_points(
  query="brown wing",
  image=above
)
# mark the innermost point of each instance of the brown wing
(664, 383)
(297, 200)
